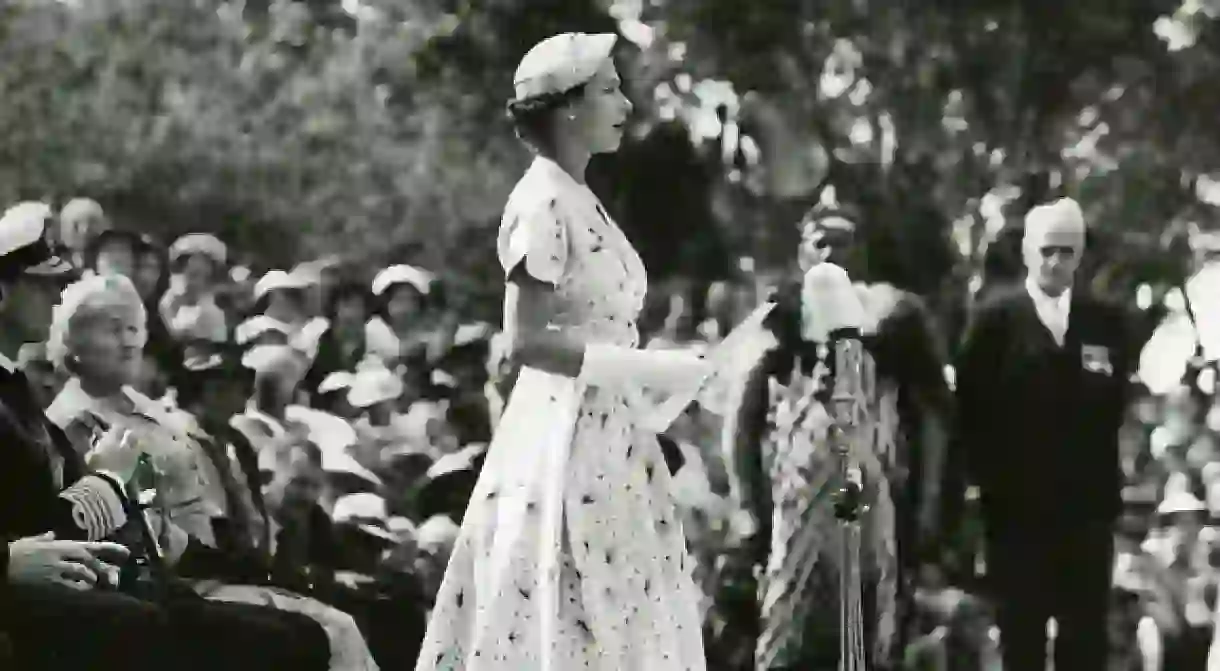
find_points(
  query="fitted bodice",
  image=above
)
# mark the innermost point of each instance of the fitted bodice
(564, 236)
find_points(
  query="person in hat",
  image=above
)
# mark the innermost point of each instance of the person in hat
(1042, 387)
(73, 614)
(570, 553)
(284, 297)
(189, 308)
(343, 346)
(407, 328)
(906, 419)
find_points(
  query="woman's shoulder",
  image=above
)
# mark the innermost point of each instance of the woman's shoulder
(538, 189)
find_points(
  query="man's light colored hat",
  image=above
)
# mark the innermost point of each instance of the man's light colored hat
(23, 244)
(560, 63)
(1064, 213)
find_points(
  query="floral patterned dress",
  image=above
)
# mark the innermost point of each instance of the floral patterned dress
(570, 554)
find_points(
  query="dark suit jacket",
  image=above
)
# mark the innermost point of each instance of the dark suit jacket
(81, 506)
(1037, 427)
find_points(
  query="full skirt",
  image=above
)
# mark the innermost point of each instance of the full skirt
(570, 554)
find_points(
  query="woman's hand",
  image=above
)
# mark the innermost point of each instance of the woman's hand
(117, 452)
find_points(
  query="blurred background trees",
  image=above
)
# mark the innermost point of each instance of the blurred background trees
(375, 129)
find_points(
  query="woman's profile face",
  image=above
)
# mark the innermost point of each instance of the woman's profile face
(601, 114)
(108, 342)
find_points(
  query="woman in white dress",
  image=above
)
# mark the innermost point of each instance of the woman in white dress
(570, 555)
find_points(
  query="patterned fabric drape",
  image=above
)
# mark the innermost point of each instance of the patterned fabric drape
(800, 586)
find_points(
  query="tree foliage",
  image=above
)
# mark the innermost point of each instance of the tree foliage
(309, 127)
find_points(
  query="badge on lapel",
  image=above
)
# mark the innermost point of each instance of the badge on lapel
(1096, 359)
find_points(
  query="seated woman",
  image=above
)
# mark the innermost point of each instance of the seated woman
(203, 510)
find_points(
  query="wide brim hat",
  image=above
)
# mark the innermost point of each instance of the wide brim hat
(561, 63)
(418, 279)
(373, 386)
(279, 280)
(200, 244)
(24, 247)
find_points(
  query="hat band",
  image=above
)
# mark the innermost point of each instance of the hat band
(14, 264)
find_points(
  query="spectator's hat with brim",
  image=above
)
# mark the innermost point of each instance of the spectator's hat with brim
(333, 435)
(437, 534)
(560, 63)
(199, 244)
(1181, 503)
(402, 528)
(462, 460)
(366, 512)
(276, 361)
(402, 274)
(336, 381)
(279, 280)
(374, 385)
(471, 344)
(261, 329)
(25, 246)
(451, 481)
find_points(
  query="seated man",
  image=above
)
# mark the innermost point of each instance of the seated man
(58, 603)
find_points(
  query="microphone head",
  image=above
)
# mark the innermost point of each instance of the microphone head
(830, 303)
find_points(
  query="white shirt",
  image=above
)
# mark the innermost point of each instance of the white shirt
(1053, 311)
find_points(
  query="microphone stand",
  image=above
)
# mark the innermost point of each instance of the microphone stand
(846, 407)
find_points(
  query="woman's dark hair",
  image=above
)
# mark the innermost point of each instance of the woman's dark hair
(99, 242)
(347, 291)
(533, 117)
(148, 246)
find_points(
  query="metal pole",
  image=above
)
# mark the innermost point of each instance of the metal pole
(849, 504)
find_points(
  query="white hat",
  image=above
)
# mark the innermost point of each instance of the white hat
(414, 422)
(401, 527)
(442, 379)
(438, 531)
(560, 63)
(23, 229)
(421, 280)
(362, 505)
(276, 280)
(254, 327)
(275, 359)
(471, 333)
(462, 460)
(373, 386)
(199, 243)
(1180, 502)
(1204, 241)
(363, 508)
(336, 381)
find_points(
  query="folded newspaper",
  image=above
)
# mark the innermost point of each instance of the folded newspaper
(731, 358)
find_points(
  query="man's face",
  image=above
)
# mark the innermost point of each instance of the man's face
(1052, 257)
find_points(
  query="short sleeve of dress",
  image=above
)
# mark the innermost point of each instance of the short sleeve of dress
(536, 234)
